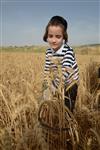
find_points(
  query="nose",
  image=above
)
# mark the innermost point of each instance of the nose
(53, 39)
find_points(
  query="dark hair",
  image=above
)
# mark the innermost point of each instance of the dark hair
(57, 20)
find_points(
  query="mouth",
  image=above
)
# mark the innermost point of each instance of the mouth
(54, 44)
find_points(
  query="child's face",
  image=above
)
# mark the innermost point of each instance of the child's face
(55, 37)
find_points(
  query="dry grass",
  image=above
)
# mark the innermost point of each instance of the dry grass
(21, 80)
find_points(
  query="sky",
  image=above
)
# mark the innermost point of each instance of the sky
(23, 22)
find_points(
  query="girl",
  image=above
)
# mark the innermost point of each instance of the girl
(57, 38)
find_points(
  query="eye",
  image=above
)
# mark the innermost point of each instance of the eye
(50, 35)
(58, 36)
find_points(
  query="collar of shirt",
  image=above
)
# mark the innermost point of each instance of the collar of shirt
(59, 51)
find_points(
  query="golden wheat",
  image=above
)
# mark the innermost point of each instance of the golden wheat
(21, 95)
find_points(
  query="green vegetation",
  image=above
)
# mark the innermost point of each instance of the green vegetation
(36, 49)
(83, 49)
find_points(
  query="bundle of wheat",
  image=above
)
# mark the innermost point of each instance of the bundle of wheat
(59, 126)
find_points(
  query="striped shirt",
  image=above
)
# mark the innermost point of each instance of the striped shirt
(66, 58)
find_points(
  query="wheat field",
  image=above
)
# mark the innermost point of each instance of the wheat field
(21, 79)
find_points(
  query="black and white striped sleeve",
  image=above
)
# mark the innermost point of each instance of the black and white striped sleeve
(68, 58)
(68, 61)
(47, 64)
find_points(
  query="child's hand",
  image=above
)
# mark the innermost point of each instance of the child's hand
(46, 94)
(53, 89)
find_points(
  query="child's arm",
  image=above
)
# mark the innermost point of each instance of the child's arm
(68, 63)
